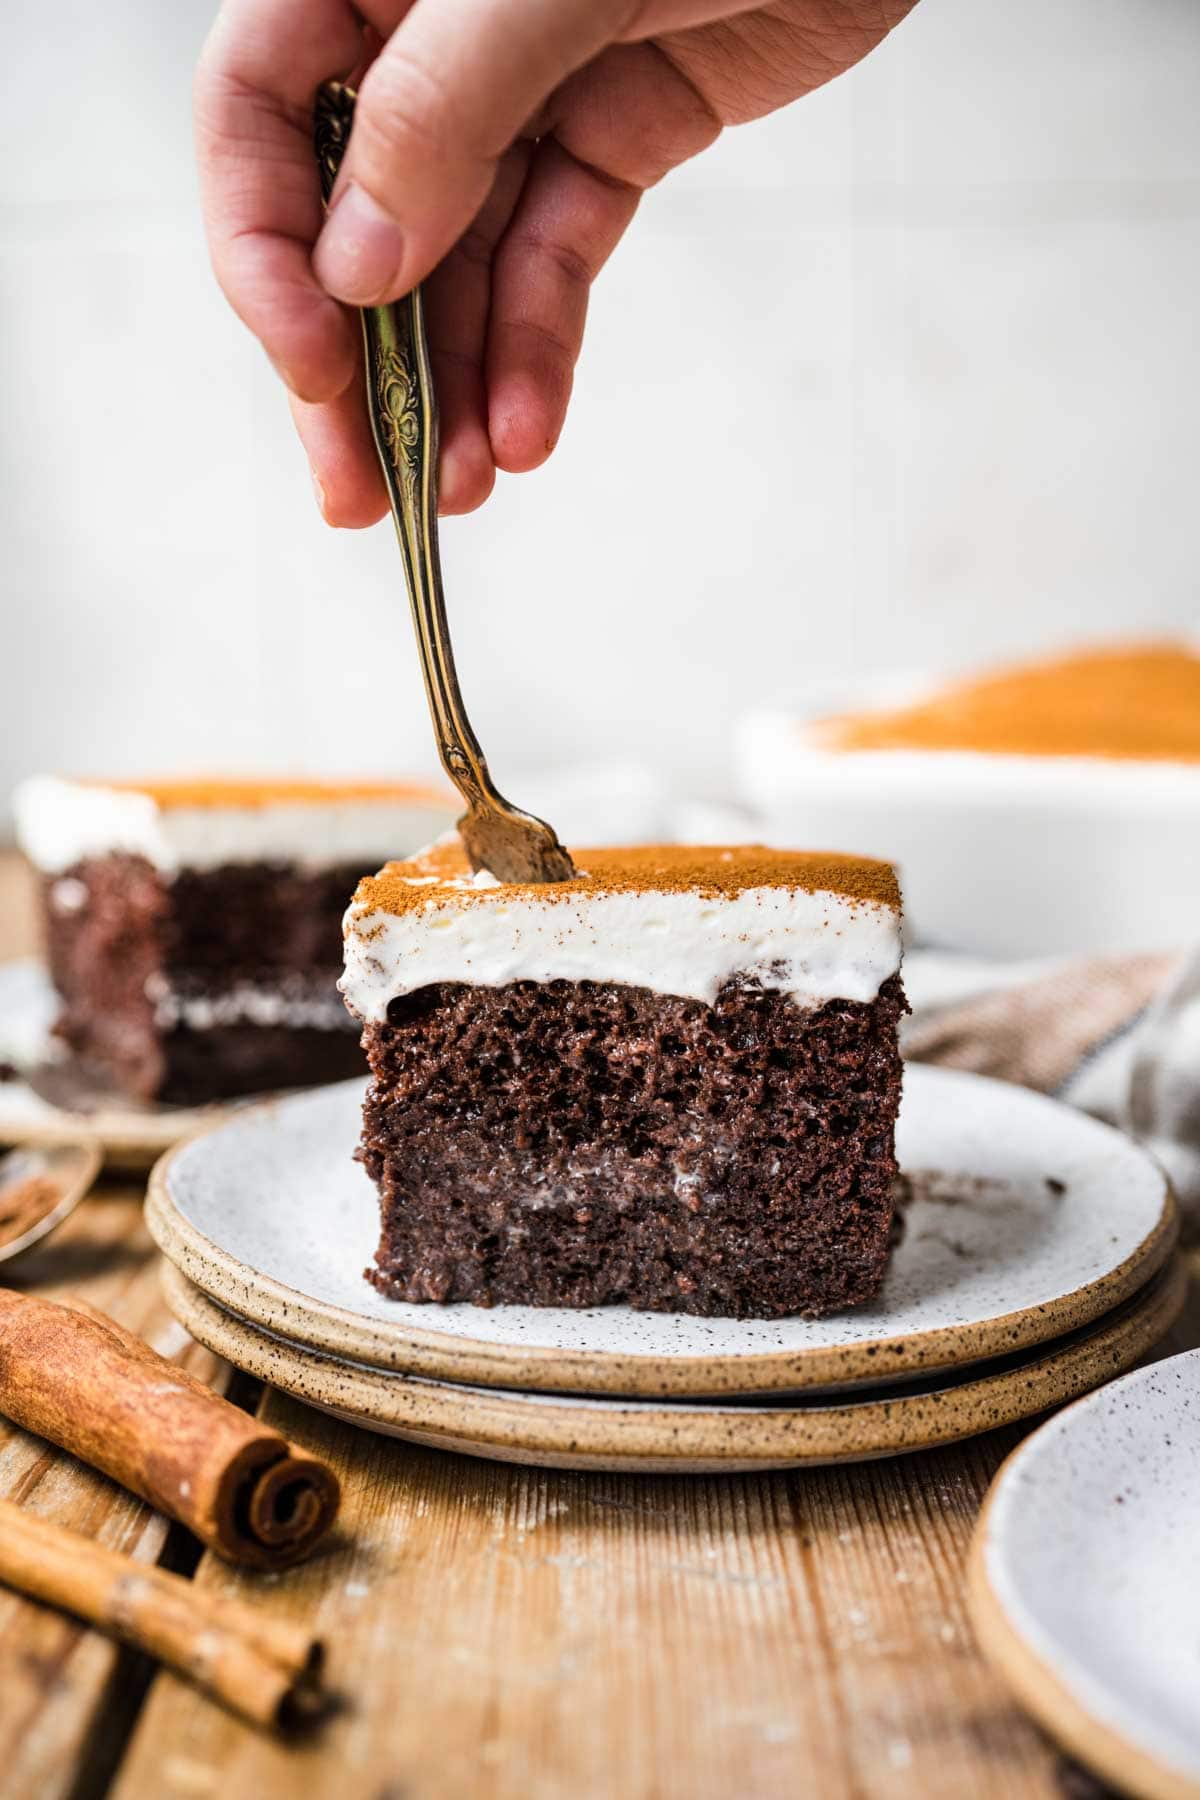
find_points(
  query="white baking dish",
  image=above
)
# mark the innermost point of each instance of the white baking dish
(998, 854)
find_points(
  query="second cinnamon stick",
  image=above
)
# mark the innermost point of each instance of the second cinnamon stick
(73, 1375)
(266, 1670)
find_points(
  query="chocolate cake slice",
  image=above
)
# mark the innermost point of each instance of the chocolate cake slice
(193, 929)
(672, 1082)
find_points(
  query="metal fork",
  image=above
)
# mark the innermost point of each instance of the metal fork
(498, 836)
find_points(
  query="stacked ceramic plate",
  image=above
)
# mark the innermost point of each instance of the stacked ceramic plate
(1035, 1264)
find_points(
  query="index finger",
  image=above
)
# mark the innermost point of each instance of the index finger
(254, 91)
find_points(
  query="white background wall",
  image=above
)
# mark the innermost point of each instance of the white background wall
(908, 374)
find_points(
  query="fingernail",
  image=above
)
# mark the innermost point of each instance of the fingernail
(358, 254)
(318, 490)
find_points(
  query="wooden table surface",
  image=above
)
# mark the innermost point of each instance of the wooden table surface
(526, 1634)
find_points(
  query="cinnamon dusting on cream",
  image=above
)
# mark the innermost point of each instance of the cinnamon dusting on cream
(1139, 702)
(443, 875)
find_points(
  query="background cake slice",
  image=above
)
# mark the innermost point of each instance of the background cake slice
(193, 929)
(672, 1082)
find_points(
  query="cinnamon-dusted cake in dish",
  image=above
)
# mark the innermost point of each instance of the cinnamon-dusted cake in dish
(671, 1082)
(1049, 807)
(193, 928)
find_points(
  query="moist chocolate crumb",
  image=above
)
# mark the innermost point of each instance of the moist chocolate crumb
(583, 1144)
(130, 932)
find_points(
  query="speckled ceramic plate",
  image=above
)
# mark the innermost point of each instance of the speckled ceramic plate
(1085, 1579)
(129, 1136)
(648, 1436)
(1028, 1220)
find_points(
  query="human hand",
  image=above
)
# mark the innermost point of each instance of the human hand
(499, 150)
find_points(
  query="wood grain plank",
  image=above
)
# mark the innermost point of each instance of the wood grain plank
(19, 928)
(65, 1689)
(506, 1632)
(503, 1632)
(62, 1682)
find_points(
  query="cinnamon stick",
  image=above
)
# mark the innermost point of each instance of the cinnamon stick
(266, 1670)
(73, 1375)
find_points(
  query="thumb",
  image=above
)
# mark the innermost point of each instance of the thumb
(450, 91)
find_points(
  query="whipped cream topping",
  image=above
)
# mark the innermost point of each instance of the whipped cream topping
(60, 823)
(811, 942)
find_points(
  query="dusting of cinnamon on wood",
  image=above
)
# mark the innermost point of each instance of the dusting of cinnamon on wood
(1139, 702)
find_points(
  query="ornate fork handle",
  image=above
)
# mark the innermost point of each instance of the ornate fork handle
(404, 421)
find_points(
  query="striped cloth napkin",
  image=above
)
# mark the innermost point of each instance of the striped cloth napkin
(1118, 1036)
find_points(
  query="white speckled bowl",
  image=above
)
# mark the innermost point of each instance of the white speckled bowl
(1085, 1578)
(1029, 1221)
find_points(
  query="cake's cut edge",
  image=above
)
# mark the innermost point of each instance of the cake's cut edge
(591, 1146)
